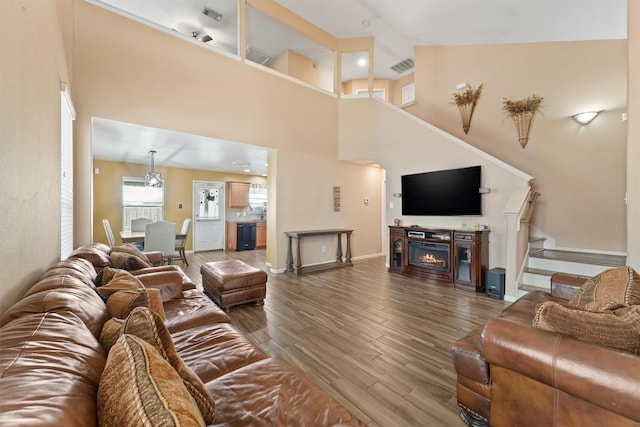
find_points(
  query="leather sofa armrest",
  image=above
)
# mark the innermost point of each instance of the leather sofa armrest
(155, 257)
(168, 282)
(564, 286)
(606, 377)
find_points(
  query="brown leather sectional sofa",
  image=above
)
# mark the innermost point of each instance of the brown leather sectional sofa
(51, 360)
(510, 373)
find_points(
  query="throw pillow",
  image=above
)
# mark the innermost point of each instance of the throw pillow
(121, 303)
(131, 249)
(147, 325)
(618, 328)
(139, 387)
(121, 280)
(128, 261)
(616, 285)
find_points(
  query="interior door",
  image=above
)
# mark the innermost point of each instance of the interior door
(208, 216)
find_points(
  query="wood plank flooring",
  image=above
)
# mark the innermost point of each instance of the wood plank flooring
(379, 343)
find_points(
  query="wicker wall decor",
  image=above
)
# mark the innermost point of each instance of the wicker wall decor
(466, 102)
(522, 112)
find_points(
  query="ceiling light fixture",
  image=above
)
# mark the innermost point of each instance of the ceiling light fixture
(586, 117)
(153, 179)
(217, 16)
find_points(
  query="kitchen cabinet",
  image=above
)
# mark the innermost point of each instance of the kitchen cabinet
(232, 236)
(261, 235)
(237, 194)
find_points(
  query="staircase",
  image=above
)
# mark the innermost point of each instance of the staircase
(543, 262)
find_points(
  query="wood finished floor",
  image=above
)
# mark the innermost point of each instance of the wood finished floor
(379, 343)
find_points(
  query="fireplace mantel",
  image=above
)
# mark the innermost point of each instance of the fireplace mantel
(444, 256)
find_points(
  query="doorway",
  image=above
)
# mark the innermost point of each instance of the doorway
(208, 216)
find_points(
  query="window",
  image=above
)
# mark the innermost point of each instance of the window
(139, 201)
(67, 116)
(408, 93)
(258, 198)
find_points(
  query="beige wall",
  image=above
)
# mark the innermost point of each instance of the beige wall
(403, 145)
(580, 170)
(304, 69)
(633, 136)
(178, 189)
(188, 88)
(31, 67)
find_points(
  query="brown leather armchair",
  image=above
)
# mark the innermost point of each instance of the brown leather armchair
(510, 373)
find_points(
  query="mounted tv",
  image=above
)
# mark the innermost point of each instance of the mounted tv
(452, 192)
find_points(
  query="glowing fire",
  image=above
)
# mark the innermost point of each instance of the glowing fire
(431, 260)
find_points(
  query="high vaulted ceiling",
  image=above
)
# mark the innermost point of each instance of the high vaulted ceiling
(397, 26)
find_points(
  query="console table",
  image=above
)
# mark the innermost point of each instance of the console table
(297, 268)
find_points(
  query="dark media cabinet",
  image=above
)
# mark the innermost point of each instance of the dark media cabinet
(454, 257)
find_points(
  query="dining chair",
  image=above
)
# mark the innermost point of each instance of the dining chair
(109, 232)
(161, 236)
(180, 243)
(138, 224)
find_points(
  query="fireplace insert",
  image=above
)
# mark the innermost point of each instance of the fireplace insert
(429, 255)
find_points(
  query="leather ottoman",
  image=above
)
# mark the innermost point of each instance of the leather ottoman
(232, 282)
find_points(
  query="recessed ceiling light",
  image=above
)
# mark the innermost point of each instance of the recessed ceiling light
(247, 170)
(362, 62)
(365, 23)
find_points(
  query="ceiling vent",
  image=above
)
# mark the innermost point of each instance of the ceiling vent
(404, 66)
(256, 55)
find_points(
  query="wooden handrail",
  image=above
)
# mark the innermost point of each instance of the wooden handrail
(532, 200)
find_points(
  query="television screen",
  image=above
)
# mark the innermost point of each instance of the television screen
(453, 192)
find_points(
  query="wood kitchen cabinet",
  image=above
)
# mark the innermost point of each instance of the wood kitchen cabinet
(261, 235)
(237, 194)
(232, 236)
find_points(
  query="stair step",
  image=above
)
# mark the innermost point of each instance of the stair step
(580, 257)
(539, 271)
(530, 288)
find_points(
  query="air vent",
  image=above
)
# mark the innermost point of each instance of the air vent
(256, 55)
(404, 66)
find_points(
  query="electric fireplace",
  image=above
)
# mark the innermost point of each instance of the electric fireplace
(429, 255)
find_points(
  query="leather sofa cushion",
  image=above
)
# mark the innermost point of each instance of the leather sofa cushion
(139, 387)
(270, 393)
(50, 366)
(616, 328)
(58, 282)
(146, 325)
(192, 310)
(615, 285)
(214, 350)
(82, 301)
(76, 267)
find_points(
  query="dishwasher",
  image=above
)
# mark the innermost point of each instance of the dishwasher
(245, 237)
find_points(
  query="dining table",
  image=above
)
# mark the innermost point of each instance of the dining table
(138, 236)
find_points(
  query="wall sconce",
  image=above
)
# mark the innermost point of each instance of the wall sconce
(586, 117)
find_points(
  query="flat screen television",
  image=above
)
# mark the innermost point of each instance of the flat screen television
(452, 192)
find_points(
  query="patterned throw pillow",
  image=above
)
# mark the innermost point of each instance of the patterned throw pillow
(139, 387)
(119, 281)
(130, 249)
(148, 326)
(121, 303)
(128, 261)
(618, 328)
(616, 285)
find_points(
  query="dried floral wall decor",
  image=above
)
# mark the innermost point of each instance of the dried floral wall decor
(466, 102)
(522, 112)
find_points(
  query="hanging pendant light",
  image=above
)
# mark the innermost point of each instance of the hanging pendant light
(153, 179)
